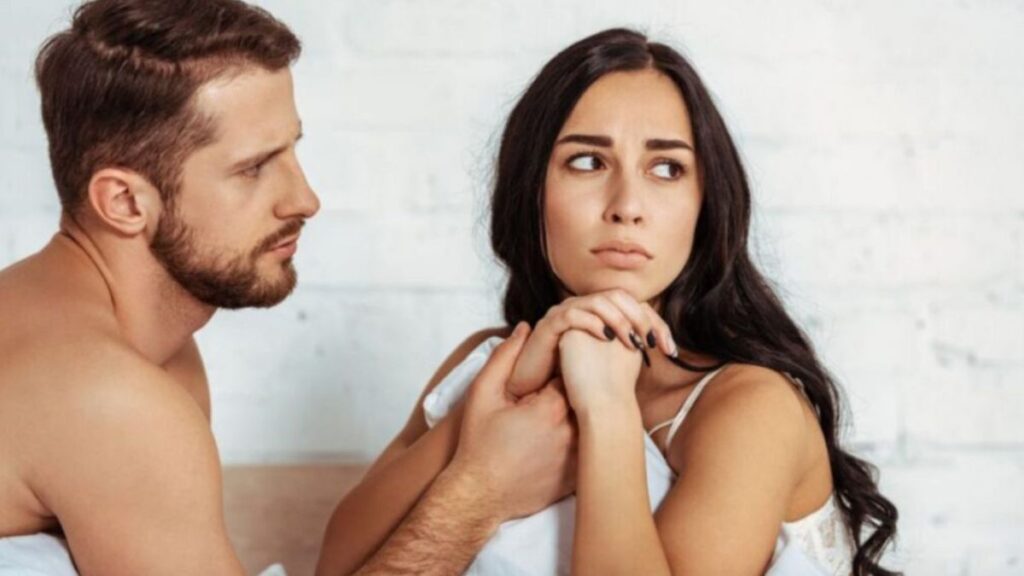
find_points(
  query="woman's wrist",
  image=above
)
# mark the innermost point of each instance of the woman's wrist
(608, 412)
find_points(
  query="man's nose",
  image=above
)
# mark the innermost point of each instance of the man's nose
(300, 200)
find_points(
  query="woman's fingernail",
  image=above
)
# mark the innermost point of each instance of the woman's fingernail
(651, 342)
(675, 352)
(635, 340)
(609, 333)
(520, 329)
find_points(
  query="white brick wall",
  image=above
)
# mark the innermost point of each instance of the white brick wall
(883, 141)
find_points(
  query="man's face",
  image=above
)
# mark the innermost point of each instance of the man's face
(229, 234)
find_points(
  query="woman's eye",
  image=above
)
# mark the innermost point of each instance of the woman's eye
(668, 170)
(585, 163)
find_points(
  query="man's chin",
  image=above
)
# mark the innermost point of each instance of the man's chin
(258, 292)
(264, 295)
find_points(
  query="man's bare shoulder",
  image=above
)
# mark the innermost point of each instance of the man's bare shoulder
(74, 384)
(87, 377)
(90, 414)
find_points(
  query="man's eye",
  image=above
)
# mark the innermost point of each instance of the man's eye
(253, 171)
(668, 170)
(585, 163)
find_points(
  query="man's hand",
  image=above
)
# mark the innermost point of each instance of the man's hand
(523, 451)
(513, 459)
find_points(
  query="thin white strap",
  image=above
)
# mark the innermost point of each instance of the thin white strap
(690, 400)
(660, 426)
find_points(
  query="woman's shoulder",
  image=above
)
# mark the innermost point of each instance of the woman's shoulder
(745, 409)
(416, 424)
(749, 389)
(461, 352)
(464, 349)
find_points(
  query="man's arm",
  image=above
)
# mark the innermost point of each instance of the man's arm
(400, 476)
(443, 532)
(129, 467)
(513, 459)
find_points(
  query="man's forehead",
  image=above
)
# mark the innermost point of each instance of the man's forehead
(249, 107)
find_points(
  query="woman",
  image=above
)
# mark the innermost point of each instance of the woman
(621, 211)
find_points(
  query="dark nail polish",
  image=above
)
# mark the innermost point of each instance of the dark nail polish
(650, 339)
(636, 341)
(609, 333)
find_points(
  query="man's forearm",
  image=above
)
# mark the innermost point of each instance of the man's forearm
(374, 508)
(444, 532)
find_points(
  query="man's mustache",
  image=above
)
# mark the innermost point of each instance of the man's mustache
(290, 229)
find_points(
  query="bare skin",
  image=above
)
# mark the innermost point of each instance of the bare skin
(104, 402)
(621, 178)
(492, 459)
(751, 454)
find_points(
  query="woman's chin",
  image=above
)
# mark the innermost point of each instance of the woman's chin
(637, 290)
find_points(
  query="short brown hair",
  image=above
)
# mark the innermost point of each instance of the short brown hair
(117, 86)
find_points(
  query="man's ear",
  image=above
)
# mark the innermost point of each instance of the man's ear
(124, 200)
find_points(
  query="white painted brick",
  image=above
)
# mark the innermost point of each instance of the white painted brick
(391, 95)
(860, 173)
(30, 184)
(981, 334)
(329, 372)
(872, 350)
(390, 251)
(391, 172)
(974, 173)
(22, 123)
(854, 249)
(961, 512)
(25, 233)
(453, 27)
(960, 404)
(26, 24)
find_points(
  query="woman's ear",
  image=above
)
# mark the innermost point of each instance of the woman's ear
(123, 200)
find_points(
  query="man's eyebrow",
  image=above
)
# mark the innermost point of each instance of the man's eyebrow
(261, 157)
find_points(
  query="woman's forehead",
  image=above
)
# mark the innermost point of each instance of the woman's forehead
(646, 103)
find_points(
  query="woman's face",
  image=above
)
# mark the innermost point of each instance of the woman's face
(621, 192)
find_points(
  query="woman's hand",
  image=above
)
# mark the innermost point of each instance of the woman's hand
(607, 316)
(597, 373)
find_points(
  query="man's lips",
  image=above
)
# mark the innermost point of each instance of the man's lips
(286, 242)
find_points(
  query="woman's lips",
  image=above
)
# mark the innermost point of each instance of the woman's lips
(621, 254)
(621, 260)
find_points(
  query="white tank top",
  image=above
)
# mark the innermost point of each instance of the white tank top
(541, 544)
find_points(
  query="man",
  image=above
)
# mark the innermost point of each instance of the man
(172, 131)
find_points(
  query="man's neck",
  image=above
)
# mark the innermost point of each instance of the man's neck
(155, 314)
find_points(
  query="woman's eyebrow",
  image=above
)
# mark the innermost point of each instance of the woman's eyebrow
(606, 142)
(593, 140)
(663, 144)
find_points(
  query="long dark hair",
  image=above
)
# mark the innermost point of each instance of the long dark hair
(719, 304)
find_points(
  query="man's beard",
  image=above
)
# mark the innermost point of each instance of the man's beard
(232, 282)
